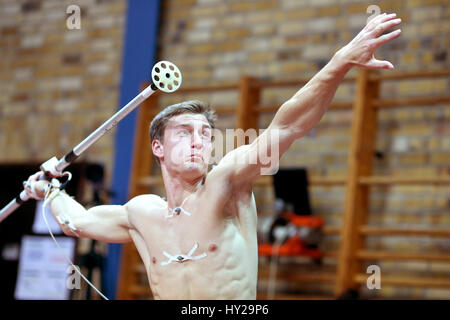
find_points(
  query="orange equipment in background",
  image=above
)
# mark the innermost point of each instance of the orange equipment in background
(303, 242)
(299, 236)
(293, 230)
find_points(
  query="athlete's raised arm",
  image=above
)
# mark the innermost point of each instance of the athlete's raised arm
(298, 115)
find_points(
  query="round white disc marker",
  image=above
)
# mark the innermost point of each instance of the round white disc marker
(166, 76)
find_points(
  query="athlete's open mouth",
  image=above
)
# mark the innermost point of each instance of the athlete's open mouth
(196, 156)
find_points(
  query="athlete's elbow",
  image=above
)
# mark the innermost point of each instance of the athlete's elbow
(70, 231)
(74, 226)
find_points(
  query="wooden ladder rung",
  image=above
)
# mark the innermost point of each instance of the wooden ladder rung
(373, 180)
(337, 105)
(384, 231)
(407, 281)
(409, 75)
(331, 254)
(268, 83)
(410, 102)
(225, 110)
(263, 273)
(151, 181)
(203, 88)
(331, 230)
(385, 255)
(268, 180)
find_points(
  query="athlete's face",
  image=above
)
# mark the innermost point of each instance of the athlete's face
(187, 144)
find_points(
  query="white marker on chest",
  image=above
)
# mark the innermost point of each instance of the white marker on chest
(183, 257)
(177, 210)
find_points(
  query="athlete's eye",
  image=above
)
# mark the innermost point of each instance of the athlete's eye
(184, 132)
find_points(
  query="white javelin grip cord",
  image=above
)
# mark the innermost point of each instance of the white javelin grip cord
(165, 76)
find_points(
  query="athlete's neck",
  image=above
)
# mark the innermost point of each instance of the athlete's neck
(178, 187)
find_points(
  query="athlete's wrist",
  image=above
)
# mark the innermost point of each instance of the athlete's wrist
(341, 61)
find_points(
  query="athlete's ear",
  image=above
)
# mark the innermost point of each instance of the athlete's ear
(158, 148)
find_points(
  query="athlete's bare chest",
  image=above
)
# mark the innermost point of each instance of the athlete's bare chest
(200, 239)
(176, 231)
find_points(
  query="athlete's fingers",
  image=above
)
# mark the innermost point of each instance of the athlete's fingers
(387, 17)
(380, 19)
(387, 37)
(36, 176)
(374, 21)
(385, 26)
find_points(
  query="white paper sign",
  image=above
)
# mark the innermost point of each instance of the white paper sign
(42, 270)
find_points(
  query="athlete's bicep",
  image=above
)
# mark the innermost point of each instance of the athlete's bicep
(107, 223)
(261, 157)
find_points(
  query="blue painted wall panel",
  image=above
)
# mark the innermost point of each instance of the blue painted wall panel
(138, 59)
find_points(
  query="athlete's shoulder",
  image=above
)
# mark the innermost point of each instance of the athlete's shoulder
(145, 201)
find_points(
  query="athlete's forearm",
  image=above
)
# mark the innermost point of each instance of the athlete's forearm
(304, 110)
(107, 223)
(67, 212)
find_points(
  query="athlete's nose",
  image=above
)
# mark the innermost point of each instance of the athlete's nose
(197, 141)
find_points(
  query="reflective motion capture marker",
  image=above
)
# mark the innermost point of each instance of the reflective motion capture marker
(166, 76)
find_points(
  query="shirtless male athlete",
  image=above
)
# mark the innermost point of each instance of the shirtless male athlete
(202, 242)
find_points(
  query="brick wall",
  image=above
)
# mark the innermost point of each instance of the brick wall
(216, 41)
(58, 85)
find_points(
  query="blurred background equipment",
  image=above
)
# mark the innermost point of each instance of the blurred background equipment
(18, 228)
(292, 231)
(292, 227)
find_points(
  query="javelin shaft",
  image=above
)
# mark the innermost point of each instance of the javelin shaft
(104, 128)
(82, 146)
(13, 205)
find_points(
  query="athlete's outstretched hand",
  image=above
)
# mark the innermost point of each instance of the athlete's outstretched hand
(360, 51)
